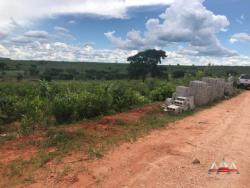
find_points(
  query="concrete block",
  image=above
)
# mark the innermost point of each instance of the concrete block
(229, 89)
(217, 86)
(200, 91)
(182, 91)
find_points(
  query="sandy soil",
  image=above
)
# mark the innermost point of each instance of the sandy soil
(164, 158)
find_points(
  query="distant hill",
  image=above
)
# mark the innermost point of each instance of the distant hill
(4, 58)
(56, 70)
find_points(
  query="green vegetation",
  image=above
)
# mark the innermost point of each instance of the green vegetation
(52, 70)
(146, 63)
(38, 105)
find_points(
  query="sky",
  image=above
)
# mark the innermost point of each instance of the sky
(191, 32)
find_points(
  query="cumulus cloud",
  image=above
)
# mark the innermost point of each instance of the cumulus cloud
(4, 51)
(59, 51)
(37, 34)
(176, 58)
(190, 23)
(25, 11)
(240, 37)
(2, 35)
(133, 40)
(29, 37)
(21, 40)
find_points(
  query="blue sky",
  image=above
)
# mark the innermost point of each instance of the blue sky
(191, 32)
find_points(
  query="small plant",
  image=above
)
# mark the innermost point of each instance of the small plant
(121, 122)
(16, 168)
(95, 153)
(64, 141)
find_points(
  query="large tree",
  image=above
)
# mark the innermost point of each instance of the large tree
(145, 63)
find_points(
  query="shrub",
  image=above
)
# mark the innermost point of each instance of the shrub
(178, 74)
(162, 92)
(124, 97)
(76, 106)
(64, 107)
(35, 114)
(8, 109)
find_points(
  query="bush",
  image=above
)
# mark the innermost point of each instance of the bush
(8, 109)
(124, 97)
(35, 114)
(64, 107)
(76, 106)
(162, 92)
(93, 104)
(178, 74)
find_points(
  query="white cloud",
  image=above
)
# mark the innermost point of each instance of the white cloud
(72, 22)
(240, 37)
(133, 40)
(59, 51)
(25, 11)
(62, 32)
(175, 58)
(61, 29)
(3, 51)
(21, 40)
(37, 34)
(2, 35)
(190, 23)
(29, 37)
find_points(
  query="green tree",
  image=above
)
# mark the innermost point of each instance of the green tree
(2, 66)
(145, 63)
(33, 70)
(178, 74)
(19, 77)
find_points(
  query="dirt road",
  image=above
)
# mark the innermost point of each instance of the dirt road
(164, 158)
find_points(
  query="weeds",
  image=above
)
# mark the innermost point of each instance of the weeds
(121, 122)
(95, 152)
(66, 170)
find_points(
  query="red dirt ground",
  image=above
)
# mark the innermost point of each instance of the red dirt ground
(18, 148)
(164, 157)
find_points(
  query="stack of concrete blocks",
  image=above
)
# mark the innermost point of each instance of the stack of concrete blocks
(204, 92)
(201, 92)
(182, 91)
(217, 87)
(229, 89)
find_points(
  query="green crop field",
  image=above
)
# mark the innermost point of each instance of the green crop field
(40, 104)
